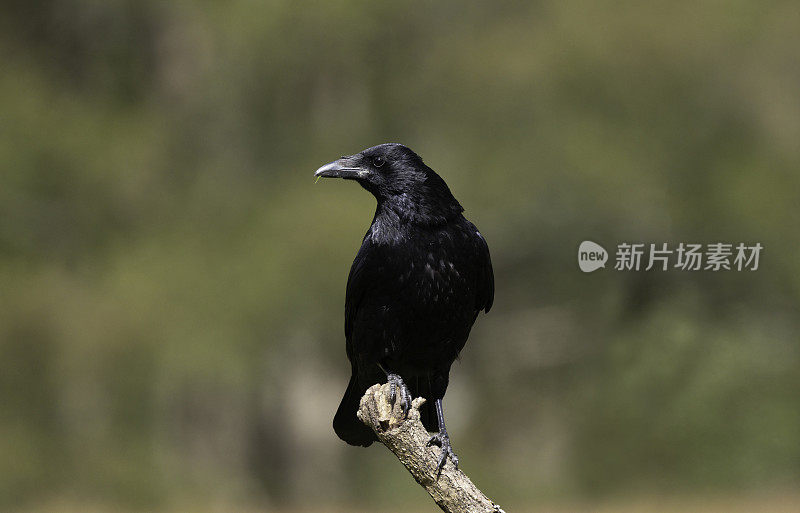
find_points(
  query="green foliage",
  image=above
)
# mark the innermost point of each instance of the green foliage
(172, 279)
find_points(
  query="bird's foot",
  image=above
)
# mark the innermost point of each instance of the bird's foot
(396, 384)
(442, 439)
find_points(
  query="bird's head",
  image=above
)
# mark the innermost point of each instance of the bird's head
(399, 180)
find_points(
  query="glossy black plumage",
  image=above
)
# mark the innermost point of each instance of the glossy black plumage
(415, 287)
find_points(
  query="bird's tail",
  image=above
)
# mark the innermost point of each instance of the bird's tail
(427, 412)
(347, 426)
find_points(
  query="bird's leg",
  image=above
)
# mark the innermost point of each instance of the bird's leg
(442, 439)
(396, 383)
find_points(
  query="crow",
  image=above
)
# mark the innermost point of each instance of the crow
(415, 288)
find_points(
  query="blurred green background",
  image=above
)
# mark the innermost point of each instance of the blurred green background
(172, 281)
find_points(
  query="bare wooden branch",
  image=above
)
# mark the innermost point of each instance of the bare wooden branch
(407, 439)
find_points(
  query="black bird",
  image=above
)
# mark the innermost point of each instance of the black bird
(414, 291)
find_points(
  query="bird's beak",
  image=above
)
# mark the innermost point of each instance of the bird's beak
(345, 167)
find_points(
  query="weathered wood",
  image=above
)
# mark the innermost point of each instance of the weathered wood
(407, 439)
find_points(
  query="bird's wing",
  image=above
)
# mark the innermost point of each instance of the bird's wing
(485, 285)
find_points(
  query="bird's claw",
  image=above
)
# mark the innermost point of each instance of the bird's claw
(442, 439)
(396, 383)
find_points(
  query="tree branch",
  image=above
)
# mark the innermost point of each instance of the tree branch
(407, 439)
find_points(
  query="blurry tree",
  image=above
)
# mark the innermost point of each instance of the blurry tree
(172, 281)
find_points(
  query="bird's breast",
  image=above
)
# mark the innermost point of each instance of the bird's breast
(431, 272)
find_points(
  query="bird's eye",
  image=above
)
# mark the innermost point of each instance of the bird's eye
(377, 161)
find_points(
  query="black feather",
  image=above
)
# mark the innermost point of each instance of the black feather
(421, 276)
